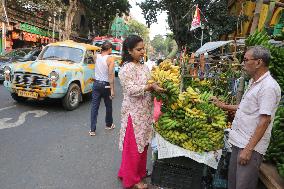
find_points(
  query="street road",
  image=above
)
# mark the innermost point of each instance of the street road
(42, 146)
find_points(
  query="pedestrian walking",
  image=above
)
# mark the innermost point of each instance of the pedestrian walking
(136, 113)
(103, 87)
(251, 128)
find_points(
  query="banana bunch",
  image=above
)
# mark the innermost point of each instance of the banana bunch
(280, 167)
(175, 137)
(172, 91)
(192, 122)
(167, 123)
(277, 64)
(167, 65)
(189, 119)
(199, 85)
(166, 71)
(275, 152)
(167, 76)
(257, 38)
(214, 115)
(205, 96)
(277, 55)
(188, 97)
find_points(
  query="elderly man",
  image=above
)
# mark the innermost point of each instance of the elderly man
(251, 128)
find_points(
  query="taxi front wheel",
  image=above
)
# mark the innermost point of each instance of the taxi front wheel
(72, 99)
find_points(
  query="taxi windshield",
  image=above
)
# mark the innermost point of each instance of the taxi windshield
(62, 53)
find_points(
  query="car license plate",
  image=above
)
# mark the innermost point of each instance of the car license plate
(28, 94)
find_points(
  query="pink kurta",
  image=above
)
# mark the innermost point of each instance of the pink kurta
(133, 164)
(137, 103)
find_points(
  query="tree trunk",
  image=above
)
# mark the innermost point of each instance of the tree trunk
(69, 19)
(241, 88)
(257, 10)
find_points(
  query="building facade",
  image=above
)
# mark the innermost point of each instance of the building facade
(21, 28)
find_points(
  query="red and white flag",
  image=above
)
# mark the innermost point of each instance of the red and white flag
(196, 19)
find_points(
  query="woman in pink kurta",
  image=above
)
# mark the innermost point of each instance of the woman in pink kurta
(136, 113)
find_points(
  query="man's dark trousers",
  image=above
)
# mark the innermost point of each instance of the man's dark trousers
(101, 90)
(243, 176)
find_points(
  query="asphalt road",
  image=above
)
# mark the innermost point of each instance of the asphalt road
(42, 146)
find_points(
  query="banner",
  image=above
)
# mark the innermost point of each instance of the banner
(36, 30)
(196, 19)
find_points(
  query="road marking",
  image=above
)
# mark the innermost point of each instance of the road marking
(8, 107)
(22, 118)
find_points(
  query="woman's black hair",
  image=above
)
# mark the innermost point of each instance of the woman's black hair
(159, 61)
(106, 46)
(129, 43)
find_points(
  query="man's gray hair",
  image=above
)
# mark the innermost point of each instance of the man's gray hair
(260, 52)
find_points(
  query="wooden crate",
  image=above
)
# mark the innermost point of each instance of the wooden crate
(270, 177)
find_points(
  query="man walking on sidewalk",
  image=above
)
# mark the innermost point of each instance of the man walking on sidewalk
(251, 128)
(103, 87)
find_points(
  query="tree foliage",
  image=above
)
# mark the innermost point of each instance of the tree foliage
(102, 13)
(172, 47)
(164, 46)
(158, 43)
(180, 14)
(140, 29)
(42, 8)
(119, 27)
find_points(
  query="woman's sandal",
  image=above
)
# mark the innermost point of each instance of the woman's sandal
(111, 127)
(92, 133)
(140, 185)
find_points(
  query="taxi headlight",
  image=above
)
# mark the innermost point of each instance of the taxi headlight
(53, 76)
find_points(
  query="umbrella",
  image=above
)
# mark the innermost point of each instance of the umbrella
(210, 46)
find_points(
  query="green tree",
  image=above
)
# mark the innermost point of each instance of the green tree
(159, 45)
(119, 28)
(102, 13)
(167, 47)
(172, 47)
(140, 29)
(180, 15)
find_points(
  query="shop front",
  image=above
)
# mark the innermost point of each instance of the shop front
(26, 35)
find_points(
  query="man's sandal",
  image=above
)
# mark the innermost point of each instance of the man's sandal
(111, 127)
(92, 133)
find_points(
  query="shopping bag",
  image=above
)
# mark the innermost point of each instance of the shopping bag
(157, 109)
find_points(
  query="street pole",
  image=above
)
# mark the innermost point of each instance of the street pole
(48, 34)
(59, 24)
(210, 34)
(202, 28)
(4, 27)
(53, 29)
(3, 37)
